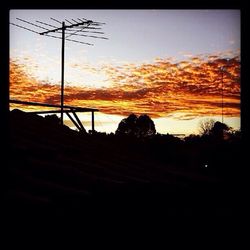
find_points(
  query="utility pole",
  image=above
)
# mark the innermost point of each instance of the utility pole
(73, 28)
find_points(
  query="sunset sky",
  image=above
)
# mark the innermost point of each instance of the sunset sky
(168, 64)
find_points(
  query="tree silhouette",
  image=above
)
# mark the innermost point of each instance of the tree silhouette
(145, 126)
(206, 126)
(219, 129)
(210, 128)
(141, 126)
(127, 126)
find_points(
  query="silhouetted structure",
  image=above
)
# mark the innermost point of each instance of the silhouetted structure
(67, 109)
(74, 28)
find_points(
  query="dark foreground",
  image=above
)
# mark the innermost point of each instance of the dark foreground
(54, 171)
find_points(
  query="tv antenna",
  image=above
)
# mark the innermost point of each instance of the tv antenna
(63, 30)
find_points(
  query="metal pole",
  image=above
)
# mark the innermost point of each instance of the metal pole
(62, 77)
(93, 122)
(222, 104)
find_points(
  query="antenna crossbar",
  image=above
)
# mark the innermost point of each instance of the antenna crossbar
(47, 24)
(19, 26)
(31, 23)
(66, 27)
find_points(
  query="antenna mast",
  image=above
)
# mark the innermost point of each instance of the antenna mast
(74, 28)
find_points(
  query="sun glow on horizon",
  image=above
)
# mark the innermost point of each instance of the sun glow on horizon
(109, 123)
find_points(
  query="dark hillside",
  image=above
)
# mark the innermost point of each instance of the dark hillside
(55, 171)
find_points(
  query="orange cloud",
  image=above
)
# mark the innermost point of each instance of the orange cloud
(191, 88)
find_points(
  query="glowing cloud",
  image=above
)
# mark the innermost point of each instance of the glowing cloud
(164, 88)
